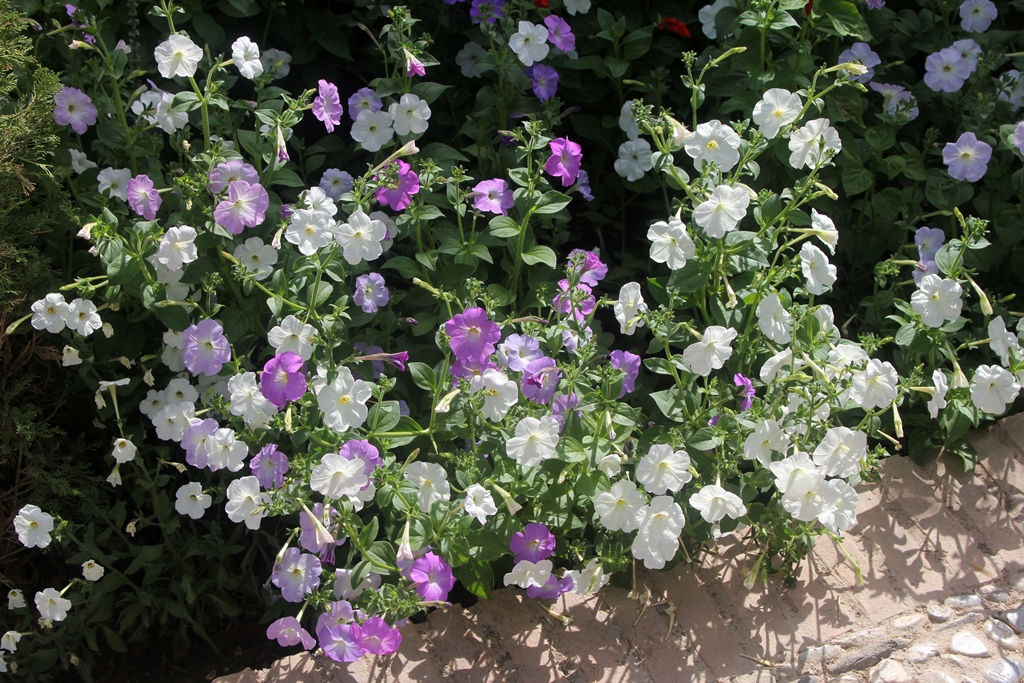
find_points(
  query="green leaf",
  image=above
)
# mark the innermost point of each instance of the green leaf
(880, 138)
(857, 179)
(669, 403)
(405, 266)
(502, 227)
(438, 151)
(208, 29)
(429, 91)
(114, 641)
(382, 555)
(477, 577)
(540, 254)
(286, 177)
(422, 375)
(637, 43)
(383, 417)
(552, 202)
(905, 335)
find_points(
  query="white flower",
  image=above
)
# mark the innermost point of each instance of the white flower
(840, 452)
(500, 394)
(590, 580)
(663, 469)
(875, 386)
(714, 142)
(618, 507)
(530, 43)
(575, 7)
(796, 475)
(806, 504)
(246, 56)
(722, 211)
(937, 300)
(628, 124)
(938, 399)
(468, 60)
(711, 352)
(714, 503)
(177, 56)
(534, 442)
(410, 115)
(10, 641)
(247, 401)
(431, 482)
(343, 589)
(292, 335)
(360, 238)
(336, 476)
(630, 307)
(224, 451)
(51, 605)
(50, 313)
(256, 257)
(670, 244)
(124, 451)
(707, 15)
(190, 500)
(659, 524)
(310, 230)
(526, 574)
(993, 388)
(83, 318)
(776, 109)
(810, 145)
(246, 503)
(479, 503)
(839, 506)
(70, 357)
(33, 527)
(15, 599)
(115, 182)
(824, 229)
(317, 199)
(819, 273)
(1002, 341)
(610, 464)
(172, 420)
(780, 362)
(343, 401)
(634, 159)
(80, 162)
(766, 438)
(154, 106)
(177, 247)
(92, 571)
(372, 129)
(774, 320)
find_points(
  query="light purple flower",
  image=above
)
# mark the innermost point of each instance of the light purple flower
(977, 15)
(946, 70)
(896, 98)
(564, 162)
(370, 293)
(486, 10)
(552, 589)
(360, 449)
(518, 350)
(560, 33)
(967, 158)
(583, 186)
(861, 53)
(562, 406)
(540, 380)
(545, 80)
(591, 269)
(364, 99)
(297, 575)
(376, 637)
(433, 577)
(471, 367)
(534, 543)
(563, 301)
(206, 348)
(245, 207)
(339, 642)
(970, 51)
(629, 363)
(327, 105)
(928, 241)
(335, 182)
(311, 538)
(493, 196)
(283, 379)
(143, 197)
(397, 185)
(72, 107)
(287, 631)
(413, 66)
(875, 4)
(1018, 137)
(224, 174)
(194, 441)
(269, 466)
(748, 391)
(471, 334)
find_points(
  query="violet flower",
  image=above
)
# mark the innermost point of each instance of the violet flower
(376, 637)
(283, 379)
(493, 196)
(370, 293)
(206, 348)
(327, 105)
(269, 466)
(433, 577)
(245, 207)
(471, 334)
(400, 182)
(629, 363)
(143, 197)
(540, 380)
(748, 391)
(534, 543)
(564, 162)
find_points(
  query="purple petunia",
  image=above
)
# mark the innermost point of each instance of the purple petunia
(245, 207)
(591, 269)
(143, 198)
(928, 241)
(364, 99)
(967, 158)
(493, 196)
(433, 577)
(545, 81)
(370, 293)
(540, 380)
(583, 186)
(283, 379)
(287, 631)
(471, 334)
(206, 348)
(327, 105)
(748, 391)
(224, 174)
(365, 452)
(518, 350)
(560, 33)
(552, 589)
(562, 406)
(486, 10)
(376, 637)
(946, 70)
(297, 574)
(72, 107)
(269, 465)
(579, 302)
(564, 162)
(629, 363)
(397, 186)
(534, 543)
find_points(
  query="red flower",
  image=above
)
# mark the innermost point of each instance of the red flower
(809, 7)
(675, 26)
(543, 4)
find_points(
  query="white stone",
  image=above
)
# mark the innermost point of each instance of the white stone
(922, 652)
(889, 671)
(969, 645)
(1005, 671)
(860, 638)
(939, 613)
(935, 676)
(1001, 633)
(964, 601)
(908, 621)
(994, 593)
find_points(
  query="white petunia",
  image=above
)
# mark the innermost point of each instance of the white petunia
(246, 56)
(372, 129)
(177, 56)
(627, 122)
(806, 504)
(247, 401)
(937, 300)
(796, 475)
(224, 451)
(83, 317)
(664, 469)
(50, 313)
(360, 238)
(993, 388)
(824, 229)
(479, 503)
(630, 307)
(177, 247)
(410, 115)
(526, 574)
(839, 506)
(172, 420)
(767, 438)
(431, 482)
(711, 352)
(819, 273)
(70, 357)
(657, 539)
(634, 159)
(722, 211)
(774, 320)
(343, 401)
(257, 257)
(80, 162)
(776, 109)
(124, 450)
(938, 399)
(15, 599)
(840, 452)
(9, 641)
(190, 500)
(714, 142)
(617, 508)
(33, 527)
(589, 580)
(1001, 340)
(875, 386)
(246, 503)
(575, 7)
(500, 394)
(811, 144)
(714, 503)
(468, 60)
(51, 605)
(670, 243)
(310, 230)
(707, 15)
(114, 181)
(534, 442)
(337, 477)
(530, 43)
(292, 335)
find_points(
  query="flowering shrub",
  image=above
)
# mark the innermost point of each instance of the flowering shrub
(404, 371)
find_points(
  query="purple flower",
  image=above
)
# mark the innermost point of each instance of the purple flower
(967, 158)
(560, 33)
(72, 107)
(224, 174)
(862, 54)
(583, 186)
(376, 637)
(397, 186)
(629, 363)
(433, 578)
(517, 351)
(712, 422)
(245, 207)
(571, 338)
(471, 367)
(928, 241)
(206, 348)
(311, 538)
(748, 391)
(545, 80)
(339, 642)
(269, 466)
(534, 543)
(370, 293)
(1018, 137)
(194, 442)
(540, 380)
(564, 162)
(364, 99)
(486, 10)
(552, 589)
(282, 148)
(875, 4)
(581, 295)
(335, 182)
(283, 379)
(493, 196)
(327, 105)
(143, 197)
(297, 574)
(896, 98)
(946, 70)
(356, 449)
(287, 631)
(471, 334)
(413, 66)
(397, 359)
(562, 406)
(591, 269)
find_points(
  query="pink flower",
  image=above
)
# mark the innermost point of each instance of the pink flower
(245, 207)
(397, 186)
(287, 631)
(493, 196)
(327, 105)
(143, 198)
(564, 162)
(471, 334)
(282, 379)
(72, 107)
(376, 637)
(413, 66)
(433, 577)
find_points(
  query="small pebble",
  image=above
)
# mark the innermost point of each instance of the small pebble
(969, 618)
(1005, 671)
(908, 621)
(859, 638)
(964, 601)
(923, 652)
(995, 594)
(1000, 632)
(1014, 618)
(969, 645)
(939, 613)
(816, 655)
(934, 676)
(889, 671)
